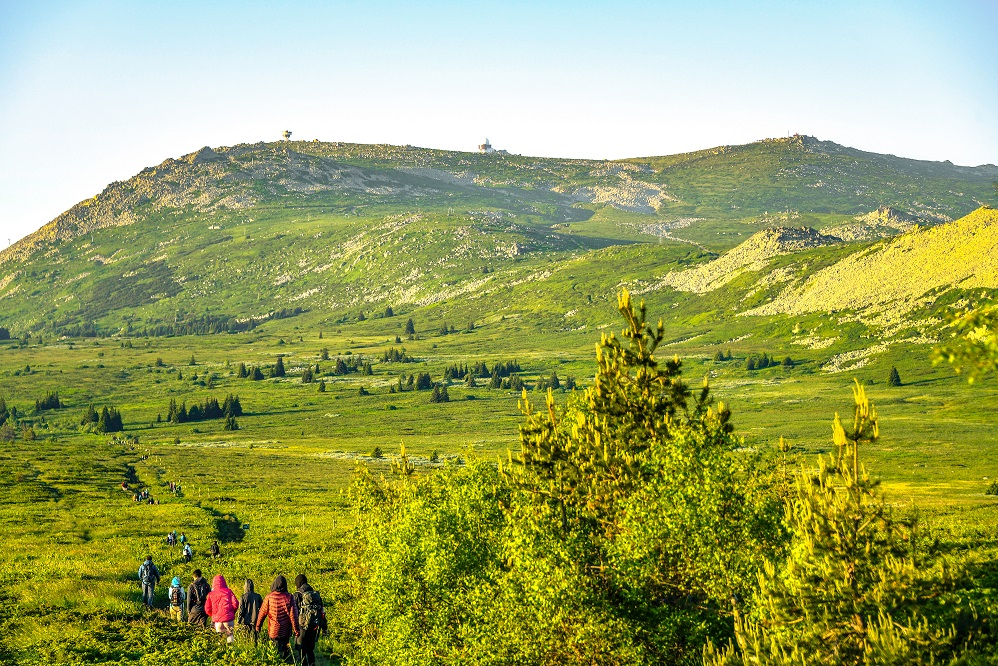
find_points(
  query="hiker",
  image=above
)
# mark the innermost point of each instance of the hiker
(197, 594)
(148, 576)
(188, 553)
(215, 550)
(177, 598)
(311, 619)
(249, 610)
(183, 538)
(171, 540)
(279, 608)
(221, 606)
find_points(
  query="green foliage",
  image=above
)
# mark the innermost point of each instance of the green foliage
(856, 584)
(439, 393)
(597, 543)
(278, 369)
(423, 381)
(410, 327)
(50, 401)
(973, 349)
(894, 379)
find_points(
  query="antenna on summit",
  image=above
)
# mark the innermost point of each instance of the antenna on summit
(287, 135)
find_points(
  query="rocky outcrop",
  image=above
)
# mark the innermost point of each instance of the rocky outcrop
(206, 180)
(752, 255)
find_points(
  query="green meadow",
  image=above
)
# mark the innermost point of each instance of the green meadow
(132, 303)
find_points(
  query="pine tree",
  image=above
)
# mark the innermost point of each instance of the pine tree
(410, 327)
(719, 356)
(469, 381)
(257, 374)
(322, 386)
(424, 382)
(306, 375)
(230, 423)
(850, 589)
(241, 372)
(389, 312)
(324, 355)
(278, 369)
(192, 361)
(750, 364)
(553, 382)
(894, 379)
(788, 362)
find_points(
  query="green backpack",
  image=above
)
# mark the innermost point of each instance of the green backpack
(310, 610)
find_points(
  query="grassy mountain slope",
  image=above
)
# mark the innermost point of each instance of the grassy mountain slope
(252, 230)
(892, 279)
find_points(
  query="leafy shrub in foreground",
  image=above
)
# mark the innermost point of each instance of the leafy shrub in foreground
(598, 543)
(857, 586)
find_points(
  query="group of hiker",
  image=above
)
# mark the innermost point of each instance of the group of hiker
(175, 488)
(300, 614)
(187, 553)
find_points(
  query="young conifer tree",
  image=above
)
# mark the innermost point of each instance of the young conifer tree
(851, 588)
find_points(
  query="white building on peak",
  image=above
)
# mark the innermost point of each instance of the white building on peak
(487, 148)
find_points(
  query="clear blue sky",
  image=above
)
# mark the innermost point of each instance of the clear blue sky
(92, 92)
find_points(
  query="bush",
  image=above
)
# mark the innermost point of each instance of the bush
(597, 543)
(854, 570)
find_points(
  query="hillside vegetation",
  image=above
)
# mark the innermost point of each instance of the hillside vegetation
(264, 323)
(887, 282)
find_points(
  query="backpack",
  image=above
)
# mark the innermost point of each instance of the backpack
(199, 595)
(309, 610)
(146, 573)
(175, 596)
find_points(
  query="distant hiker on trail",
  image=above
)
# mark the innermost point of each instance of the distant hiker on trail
(215, 550)
(279, 607)
(197, 594)
(221, 606)
(177, 598)
(171, 539)
(188, 553)
(183, 538)
(148, 576)
(311, 619)
(249, 610)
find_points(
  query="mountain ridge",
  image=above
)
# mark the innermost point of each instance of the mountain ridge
(201, 179)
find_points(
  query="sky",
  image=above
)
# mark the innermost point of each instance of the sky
(93, 91)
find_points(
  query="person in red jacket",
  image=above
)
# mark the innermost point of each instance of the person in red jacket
(221, 606)
(279, 607)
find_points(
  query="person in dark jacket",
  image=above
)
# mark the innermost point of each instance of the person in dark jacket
(215, 550)
(311, 619)
(148, 576)
(249, 610)
(279, 608)
(197, 594)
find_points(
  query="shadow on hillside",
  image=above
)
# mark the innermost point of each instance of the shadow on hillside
(931, 380)
(228, 528)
